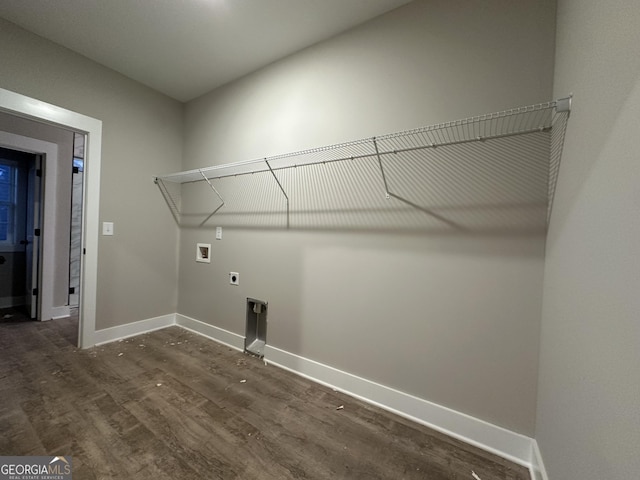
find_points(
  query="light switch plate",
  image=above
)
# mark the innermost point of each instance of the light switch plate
(107, 228)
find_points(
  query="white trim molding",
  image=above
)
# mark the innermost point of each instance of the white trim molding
(500, 441)
(220, 335)
(538, 471)
(512, 446)
(63, 311)
(31, 108)
(120, 332)
(505, 443)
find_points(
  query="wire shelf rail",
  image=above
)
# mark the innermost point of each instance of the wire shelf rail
(395, 155)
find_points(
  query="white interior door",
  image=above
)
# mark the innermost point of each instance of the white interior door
(34, 214)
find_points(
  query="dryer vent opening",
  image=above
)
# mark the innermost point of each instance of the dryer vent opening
(256, 332)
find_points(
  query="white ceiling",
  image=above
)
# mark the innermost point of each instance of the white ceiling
(185, 48)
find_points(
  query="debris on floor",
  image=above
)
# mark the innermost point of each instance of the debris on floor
(8, 315)
(243, 381)
(120, 354)
(475, 475)
(341, 407)
(158, 384)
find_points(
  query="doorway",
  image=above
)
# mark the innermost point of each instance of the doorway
(75, 247)
(19, 220)
(21, 175)
(50, 213)
(44, 113)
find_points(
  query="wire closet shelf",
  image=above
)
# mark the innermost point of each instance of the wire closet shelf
(547, 118)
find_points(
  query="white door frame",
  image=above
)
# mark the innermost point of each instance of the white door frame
(23, 106)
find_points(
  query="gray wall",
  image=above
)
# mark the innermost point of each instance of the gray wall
(64, 140)
(588, 422)
(452, 318)
(142, 133)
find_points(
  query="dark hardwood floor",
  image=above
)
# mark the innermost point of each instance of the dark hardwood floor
(173, 405)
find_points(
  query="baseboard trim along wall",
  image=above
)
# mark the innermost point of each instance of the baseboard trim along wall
(120, 332)
(538, 472)
(489, 437)
(220, 335)
(60, 312)
(512, 446)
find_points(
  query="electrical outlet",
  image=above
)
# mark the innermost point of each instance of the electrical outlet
(234, 278)
(218, 233)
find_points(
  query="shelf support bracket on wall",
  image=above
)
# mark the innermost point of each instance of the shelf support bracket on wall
(564, 104)
(281, 188)
(563, 110)
(384, 177)
(173, 206)
(219, 196)
(389, 194)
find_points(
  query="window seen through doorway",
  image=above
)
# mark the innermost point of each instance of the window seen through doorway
(8, 181)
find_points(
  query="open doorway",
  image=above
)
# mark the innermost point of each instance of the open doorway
(21, 239)
(38, 187)
(23, 107)
(19, 229)
(75, 244)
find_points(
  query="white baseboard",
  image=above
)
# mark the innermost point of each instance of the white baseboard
(512, 446)
(220, 335)
(131, 329)
(60, 312)
(538, 472)
(505, 443)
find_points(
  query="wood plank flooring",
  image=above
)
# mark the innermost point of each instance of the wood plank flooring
(173, 405)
